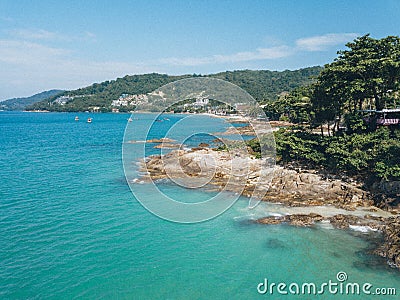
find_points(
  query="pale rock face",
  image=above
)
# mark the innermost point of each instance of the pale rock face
(277, 184)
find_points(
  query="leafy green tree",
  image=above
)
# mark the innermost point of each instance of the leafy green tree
(364, 76)
(294, 106)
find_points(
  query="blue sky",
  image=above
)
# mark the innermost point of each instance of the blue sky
(71, 44)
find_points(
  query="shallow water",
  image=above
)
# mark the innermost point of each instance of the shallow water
(70, 226)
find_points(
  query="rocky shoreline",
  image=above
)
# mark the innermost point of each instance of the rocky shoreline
(236, 172)
(389, 227)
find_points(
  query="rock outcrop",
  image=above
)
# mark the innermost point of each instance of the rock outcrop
(162, 140)
(240, 173)
(291, 187)
(295, 220)
(296, 188)
(390, 248)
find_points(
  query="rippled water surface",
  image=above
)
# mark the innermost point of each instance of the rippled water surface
(71, 228)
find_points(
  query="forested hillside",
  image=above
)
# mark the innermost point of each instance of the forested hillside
(22, 103)
(262, 85)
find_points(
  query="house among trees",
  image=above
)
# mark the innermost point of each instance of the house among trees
(389, 117)
(201, 101)
(384, 117)
(62, 100)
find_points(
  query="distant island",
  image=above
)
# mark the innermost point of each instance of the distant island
(22, 103)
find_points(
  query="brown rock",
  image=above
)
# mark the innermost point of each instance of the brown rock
(390, 248)
(304, 220)
(271, 220)
(162, 140)
(344, 221)
(295, 219)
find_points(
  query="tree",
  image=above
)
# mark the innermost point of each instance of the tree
(367, 75)
(294, 106)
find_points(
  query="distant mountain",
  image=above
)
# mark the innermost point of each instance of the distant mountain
(22, 103)
(263, 85)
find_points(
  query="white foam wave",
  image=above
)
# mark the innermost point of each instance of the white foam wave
(272, 214)
(360, 228)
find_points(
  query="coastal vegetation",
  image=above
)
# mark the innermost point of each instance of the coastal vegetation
(336, 118)
(335, 110)
(363, 77)
(373, 155)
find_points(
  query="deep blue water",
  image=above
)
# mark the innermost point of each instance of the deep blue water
(71, 228)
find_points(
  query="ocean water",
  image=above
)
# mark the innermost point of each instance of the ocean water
(71, 228)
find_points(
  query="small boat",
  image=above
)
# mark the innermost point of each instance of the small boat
(76, 118)
(89, 120)
(130, 120)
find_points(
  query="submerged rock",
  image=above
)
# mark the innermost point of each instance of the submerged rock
(275, 244)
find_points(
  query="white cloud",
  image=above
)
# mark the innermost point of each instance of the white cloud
(27, 67)
(22, 54)
(315, 43)
(28, 53)
(31, 34)
(323, 42)
(41, 35)
(258, 54)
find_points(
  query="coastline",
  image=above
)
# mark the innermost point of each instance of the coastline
(305, 198)
(304, 209)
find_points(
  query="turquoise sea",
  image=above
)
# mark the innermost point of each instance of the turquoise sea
(71, 228)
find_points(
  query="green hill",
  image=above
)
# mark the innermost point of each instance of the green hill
(22, 103)
(266, 85)
(263, 85)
